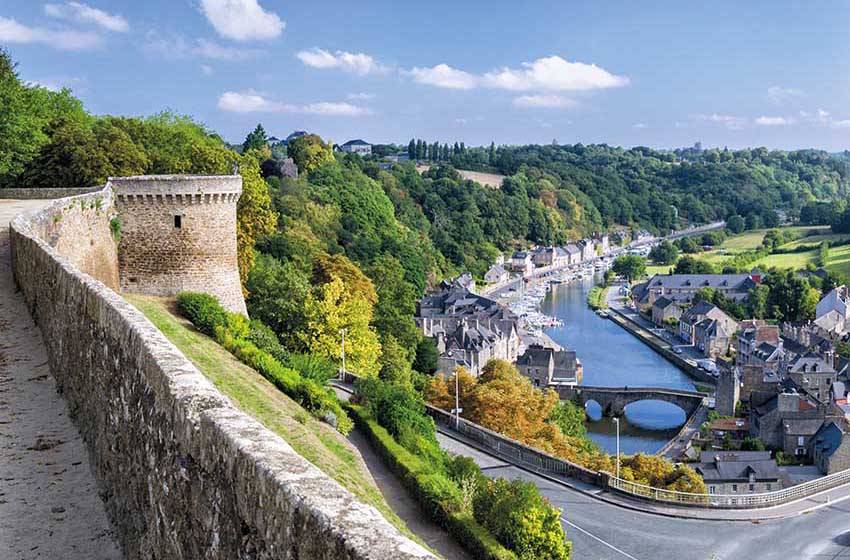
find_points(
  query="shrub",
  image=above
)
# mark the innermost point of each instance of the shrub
(265, 339)
(203, 310)
(313, 367)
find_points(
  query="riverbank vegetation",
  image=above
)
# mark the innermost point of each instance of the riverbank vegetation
(597, 297)
(505, 401)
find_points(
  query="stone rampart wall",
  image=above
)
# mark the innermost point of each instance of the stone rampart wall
(44, 194)
(184, 475)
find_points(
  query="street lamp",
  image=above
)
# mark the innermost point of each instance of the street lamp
(457, 409)
(617, 423)
(342, 372)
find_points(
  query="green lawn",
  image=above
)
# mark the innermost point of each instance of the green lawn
(789, 260)
(248, 390)
(815, 240)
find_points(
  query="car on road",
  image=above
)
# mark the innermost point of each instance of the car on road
(677, 350)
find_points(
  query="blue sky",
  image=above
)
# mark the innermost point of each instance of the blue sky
(662, 74)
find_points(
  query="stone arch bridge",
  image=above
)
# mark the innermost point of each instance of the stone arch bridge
(613, 400)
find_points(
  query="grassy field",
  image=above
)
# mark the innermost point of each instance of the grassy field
(253, 394)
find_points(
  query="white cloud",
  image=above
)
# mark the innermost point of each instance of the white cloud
(335, 109)
(845, 123)
(79, 12)
(356, 63)
(639, 125)
(729, 121)
(773, 121)
(544, 102)
(461, 121)
(553, 73)
(361, 96)
(444, 76)
(779, 94)
(13, 32)
(207, 69)
(178, 47)
(548, 74)
(254, 102)
(56, 83)
(242, 20)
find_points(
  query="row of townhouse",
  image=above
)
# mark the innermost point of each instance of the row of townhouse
(584, 250)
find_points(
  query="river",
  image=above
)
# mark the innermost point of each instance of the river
(613, 357)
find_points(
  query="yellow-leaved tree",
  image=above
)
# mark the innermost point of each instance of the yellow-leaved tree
(330, 309)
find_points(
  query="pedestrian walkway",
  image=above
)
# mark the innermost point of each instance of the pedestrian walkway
(49, 502)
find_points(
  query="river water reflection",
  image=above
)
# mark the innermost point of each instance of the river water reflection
(613, 357)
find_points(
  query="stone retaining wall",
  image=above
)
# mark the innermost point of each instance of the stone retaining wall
(184, 475)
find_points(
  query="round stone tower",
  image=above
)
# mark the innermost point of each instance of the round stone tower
(178, 232)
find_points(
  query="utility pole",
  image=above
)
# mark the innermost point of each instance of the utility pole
(342, 372)
(617, 423)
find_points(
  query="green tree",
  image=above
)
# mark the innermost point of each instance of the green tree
(395, 365)
(411, 149)
(691, 265)
(735, 224)
(256, 140)
(521, 519)
(630, 267)
(396, 304)
(309, 152)
(426, 356)
(277, 292)
(664, 253)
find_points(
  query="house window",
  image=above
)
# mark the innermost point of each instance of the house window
(752, 487)
(801, 440)
(712, 490)
(769, 487)
(178, 221)
(734, 488)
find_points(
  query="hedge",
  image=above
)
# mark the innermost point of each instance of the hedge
(434, 491)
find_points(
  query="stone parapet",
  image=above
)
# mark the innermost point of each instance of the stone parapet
(183, 473)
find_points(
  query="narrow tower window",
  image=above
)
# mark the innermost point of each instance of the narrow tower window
(178, 221)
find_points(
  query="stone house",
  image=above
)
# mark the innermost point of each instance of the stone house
(814, 373)
(798, 433)
(712, 338)
(521, 261)
(588, 249)
(753, 333)
(769, 415)
(833, 311)
(664, 309)
(546, 366)
(830, 448)
(496, 274)
(544, 256)
(740, 472)
(573, 254)
(603, 243)
(700, 311)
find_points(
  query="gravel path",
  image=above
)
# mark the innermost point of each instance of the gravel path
(49, 503)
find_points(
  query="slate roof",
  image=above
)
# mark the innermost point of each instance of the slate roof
(357, 142)
(802, 427)
(828, 439)
(663, 302)
(737, 466)
(743, 282)
(535, 356)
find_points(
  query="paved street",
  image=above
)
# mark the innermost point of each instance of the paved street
(603, 531)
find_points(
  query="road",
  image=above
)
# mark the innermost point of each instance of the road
(603, 531)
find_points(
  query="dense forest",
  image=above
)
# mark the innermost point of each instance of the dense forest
(659, 190)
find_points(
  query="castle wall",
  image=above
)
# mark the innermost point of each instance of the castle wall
(160, 256)
(184, 475)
